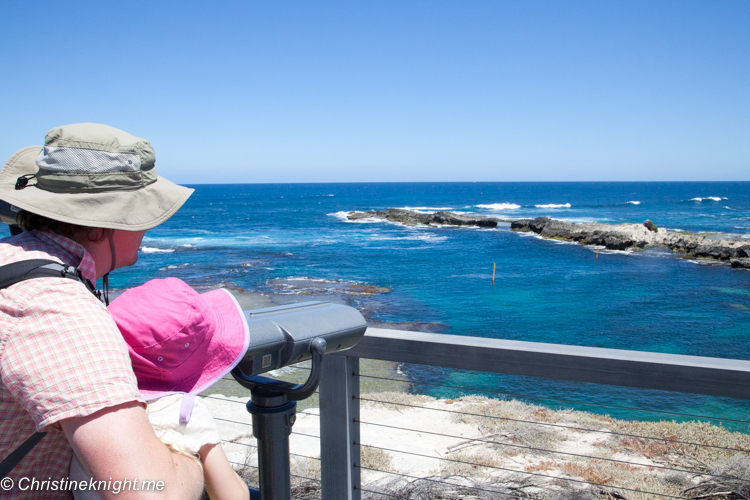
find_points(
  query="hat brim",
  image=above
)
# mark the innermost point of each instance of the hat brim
(22, 162)
(134, 210)
(227, 348)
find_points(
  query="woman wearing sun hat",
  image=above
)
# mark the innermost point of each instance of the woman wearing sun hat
(85, 199)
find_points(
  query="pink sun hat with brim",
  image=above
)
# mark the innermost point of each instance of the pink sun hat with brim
(180, 341)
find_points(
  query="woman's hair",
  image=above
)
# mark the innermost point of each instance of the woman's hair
(29, 221)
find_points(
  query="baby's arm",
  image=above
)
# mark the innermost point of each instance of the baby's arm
(222, 482)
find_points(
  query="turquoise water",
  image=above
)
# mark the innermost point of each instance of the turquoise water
(295, 240)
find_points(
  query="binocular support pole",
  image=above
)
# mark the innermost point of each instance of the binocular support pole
(273, 405)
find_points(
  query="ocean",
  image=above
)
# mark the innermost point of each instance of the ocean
(287, 242)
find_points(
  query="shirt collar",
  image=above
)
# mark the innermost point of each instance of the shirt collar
(78, 256)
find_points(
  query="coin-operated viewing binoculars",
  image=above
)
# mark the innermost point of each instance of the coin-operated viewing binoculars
(280, 336)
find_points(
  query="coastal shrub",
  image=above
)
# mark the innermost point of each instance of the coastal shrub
(441, 488)
(249, 470)
(375, 458)
(673, 450)
(305, 467)
(305, 478)
(481, 462)
(735, 479)
(607, 478)
(508, 420)
(570, 493)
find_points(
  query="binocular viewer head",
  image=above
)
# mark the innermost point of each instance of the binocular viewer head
(282, 335)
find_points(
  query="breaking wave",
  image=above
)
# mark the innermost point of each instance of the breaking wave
(712, 198)
(553, 205)
(156, 250)
(500, 206)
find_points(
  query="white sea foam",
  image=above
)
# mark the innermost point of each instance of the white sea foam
(703, 262)
(530, 234)
(552, 205)
(428, 210)
(634, 202)
(341, 215)
(156, 250)
(314, 280)
(174, 267)
(617, 252)
(500, 206)
(344, 216)
(712, 198)
(426, 237)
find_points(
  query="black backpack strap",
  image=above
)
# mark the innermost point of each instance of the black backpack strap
(12, 460)
(23, 270)
(13, 273)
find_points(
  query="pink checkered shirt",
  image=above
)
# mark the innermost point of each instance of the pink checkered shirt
(61, 356)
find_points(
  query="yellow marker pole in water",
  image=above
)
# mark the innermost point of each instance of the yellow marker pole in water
(597, 252)
(493, 272)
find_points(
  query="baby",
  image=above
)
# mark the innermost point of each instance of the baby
(181, 343)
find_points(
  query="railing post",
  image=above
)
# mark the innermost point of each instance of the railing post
(339, 428)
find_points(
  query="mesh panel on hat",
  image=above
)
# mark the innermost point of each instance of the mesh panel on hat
(65, 159)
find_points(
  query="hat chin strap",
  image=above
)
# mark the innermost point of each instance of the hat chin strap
(105, 278)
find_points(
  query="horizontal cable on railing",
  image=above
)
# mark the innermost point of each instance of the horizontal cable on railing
(518, 471)
(543, 450)
(249, 424)
(526, 396)
(380, 493)
(219, 398)
(292, 475)
(514, 495)
(243, 464)
(614, 433)
(305, 435)
(247, 445)
(255, 467)
(254, 446)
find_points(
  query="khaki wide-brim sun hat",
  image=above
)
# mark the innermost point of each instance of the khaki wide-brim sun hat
(91, 175)
(22, 162)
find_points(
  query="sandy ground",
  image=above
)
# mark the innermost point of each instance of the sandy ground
(417, 440)
(509, 446)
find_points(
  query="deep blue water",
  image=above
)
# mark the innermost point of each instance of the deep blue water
(265, 237)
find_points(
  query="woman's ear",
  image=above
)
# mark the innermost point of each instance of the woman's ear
(97, 234)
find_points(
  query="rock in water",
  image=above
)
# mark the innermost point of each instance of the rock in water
(638, 236)
(610, 236)
(412, 218)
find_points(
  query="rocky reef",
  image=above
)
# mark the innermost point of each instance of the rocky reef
(412, 218)
(640, 236)
(720, 247)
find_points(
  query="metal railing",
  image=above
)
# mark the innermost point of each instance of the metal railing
(340, 420)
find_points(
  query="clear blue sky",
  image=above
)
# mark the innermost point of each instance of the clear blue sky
(310, 91)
